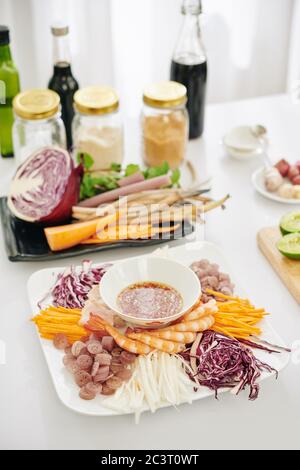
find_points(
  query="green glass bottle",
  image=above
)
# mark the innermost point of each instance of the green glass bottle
(9, 88)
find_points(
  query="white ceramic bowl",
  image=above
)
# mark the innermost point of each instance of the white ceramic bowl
(155, 269)
(241, 144)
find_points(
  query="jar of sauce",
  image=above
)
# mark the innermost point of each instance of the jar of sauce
(37, 122)
(97, 126)
(164, 124)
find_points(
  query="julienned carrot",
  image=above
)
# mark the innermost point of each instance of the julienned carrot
(236, 317)
(66, 236)
(227, 297)
(64, 309)
(53, 320)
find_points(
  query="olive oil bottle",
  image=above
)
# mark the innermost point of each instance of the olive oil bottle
(9, 88)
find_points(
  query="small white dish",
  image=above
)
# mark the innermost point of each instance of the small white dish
(241, 143)
(258, 181)
(150, 269)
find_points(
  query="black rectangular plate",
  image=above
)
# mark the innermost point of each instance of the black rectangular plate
(27, 242)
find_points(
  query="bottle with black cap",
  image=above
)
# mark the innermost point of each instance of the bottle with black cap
(63, 81)
(9, 88)
(189, 65)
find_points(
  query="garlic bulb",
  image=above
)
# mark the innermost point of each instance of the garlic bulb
(286, 191)
(296, 191)
(273, 179)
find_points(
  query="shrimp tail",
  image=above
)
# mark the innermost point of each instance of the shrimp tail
(129, 345)
(94, 323)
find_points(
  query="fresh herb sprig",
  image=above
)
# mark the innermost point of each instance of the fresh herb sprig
(99, 182)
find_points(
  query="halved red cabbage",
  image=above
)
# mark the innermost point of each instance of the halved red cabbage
(45, 187)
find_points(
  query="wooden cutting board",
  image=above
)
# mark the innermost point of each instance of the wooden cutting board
(288, 270)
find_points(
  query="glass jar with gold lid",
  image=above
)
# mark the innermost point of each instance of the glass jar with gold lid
(97, 127)
(164, 124)
(37, 122)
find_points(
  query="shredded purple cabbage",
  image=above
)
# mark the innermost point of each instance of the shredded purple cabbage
(224, 362)
(71, 287)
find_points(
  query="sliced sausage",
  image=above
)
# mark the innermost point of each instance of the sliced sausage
(77, 347)
(93, 387)
(94, 347)
(102, 374)
(82, 378)
(68, 359)
(86, 394)
(95, 368)
(124, 374)
(127, 357)
(83, 351)
(103, 358)
(84, 362)
(60, 341)
(116, 367)
(108, 343)
(114, 382)
(107, 390)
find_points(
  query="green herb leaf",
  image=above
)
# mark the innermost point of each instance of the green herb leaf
(154, 171)
(116, 167)
(86, 187)
(86, 160)
(104, 182)
(175, 176)
(131, 169)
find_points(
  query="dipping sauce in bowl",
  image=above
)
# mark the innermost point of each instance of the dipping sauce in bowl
(150, 300)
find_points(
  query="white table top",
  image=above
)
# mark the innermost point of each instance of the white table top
(32, 416)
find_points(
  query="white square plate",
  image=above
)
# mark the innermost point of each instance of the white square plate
(41, 281)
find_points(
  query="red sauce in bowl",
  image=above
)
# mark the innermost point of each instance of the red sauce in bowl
(150, 300)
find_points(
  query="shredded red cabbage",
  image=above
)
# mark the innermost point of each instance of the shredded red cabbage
(223, 362)
(72, 286)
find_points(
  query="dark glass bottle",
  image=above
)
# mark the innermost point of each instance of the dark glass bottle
(63, 81)
(9, 88)
(189, 65)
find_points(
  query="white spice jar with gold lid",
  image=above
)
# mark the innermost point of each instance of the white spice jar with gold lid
(164, 123)
(97, 126)
(37, 122)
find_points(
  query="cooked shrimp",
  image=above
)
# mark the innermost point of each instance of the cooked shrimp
(201, 324)
(158, 343)
(201, 311)
(129, 345)
(185, 337)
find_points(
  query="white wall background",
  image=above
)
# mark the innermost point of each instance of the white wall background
(128, 43)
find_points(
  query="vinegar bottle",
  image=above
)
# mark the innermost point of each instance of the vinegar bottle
(189, 65)
(62, 80)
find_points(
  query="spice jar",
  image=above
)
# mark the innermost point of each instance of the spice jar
(37, 122)
(164, 124)
(97, 126)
